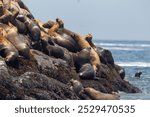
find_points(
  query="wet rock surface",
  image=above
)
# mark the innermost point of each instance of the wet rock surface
(47, 76)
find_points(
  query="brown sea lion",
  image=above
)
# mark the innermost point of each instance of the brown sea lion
(14, 7)
(16, 39)
(48, 24)
(94, 58)
(7, 50)
(59, 39)
(22, 5)
(97, 95)
(5, 15)
(62, 29)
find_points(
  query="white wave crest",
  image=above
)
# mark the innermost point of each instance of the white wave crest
(133, 64)
(121, 48)
(123, 45)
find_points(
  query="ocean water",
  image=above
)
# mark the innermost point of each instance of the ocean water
(134, 56)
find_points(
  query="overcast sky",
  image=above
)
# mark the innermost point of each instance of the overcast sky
(105, 19)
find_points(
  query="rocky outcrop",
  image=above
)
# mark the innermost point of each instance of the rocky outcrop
(45, 74)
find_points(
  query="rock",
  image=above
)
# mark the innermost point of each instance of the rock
(105, 56)
(32, 85)
(55, 68)
(3, 69)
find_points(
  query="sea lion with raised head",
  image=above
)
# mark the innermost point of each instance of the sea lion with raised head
(94, 58)
(88, 38)
(97, 95)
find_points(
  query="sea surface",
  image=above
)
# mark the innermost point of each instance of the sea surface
(134, 56)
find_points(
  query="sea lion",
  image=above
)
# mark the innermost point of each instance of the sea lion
(34, 30)
(23, 6)
(48, 24)
(7, 50)
(52, 50)
(66, 34)
(16, 39)
(5, 15)
(87, 72)
(60, 40)
(97, 95)
(138, 74)
(94, 58)
(15, 7)
(78, 88)
(81, 58)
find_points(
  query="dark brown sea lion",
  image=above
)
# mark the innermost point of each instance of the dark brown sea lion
(7, 50)
(65, 33)
(138, 74)
(87, 72)
(97, 95)
(34, 30)
(16, 39)
(52, 50)
(81, 58)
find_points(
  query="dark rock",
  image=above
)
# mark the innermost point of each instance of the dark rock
(55, 68)
(120, 70)
(35, 86)
(105, 56)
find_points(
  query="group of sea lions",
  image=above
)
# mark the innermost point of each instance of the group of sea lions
(20, 32)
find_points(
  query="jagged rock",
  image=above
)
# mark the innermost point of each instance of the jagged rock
(32, 85)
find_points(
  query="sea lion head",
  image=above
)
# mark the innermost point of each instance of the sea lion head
(60, 22)
(89, 37)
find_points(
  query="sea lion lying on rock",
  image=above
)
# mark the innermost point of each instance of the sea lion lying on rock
(97, 95)
(87, 72)
(5, 15)
(34, 30)
(18, 40)
(7, 50)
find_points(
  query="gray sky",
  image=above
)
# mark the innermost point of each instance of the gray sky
(105, 19)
